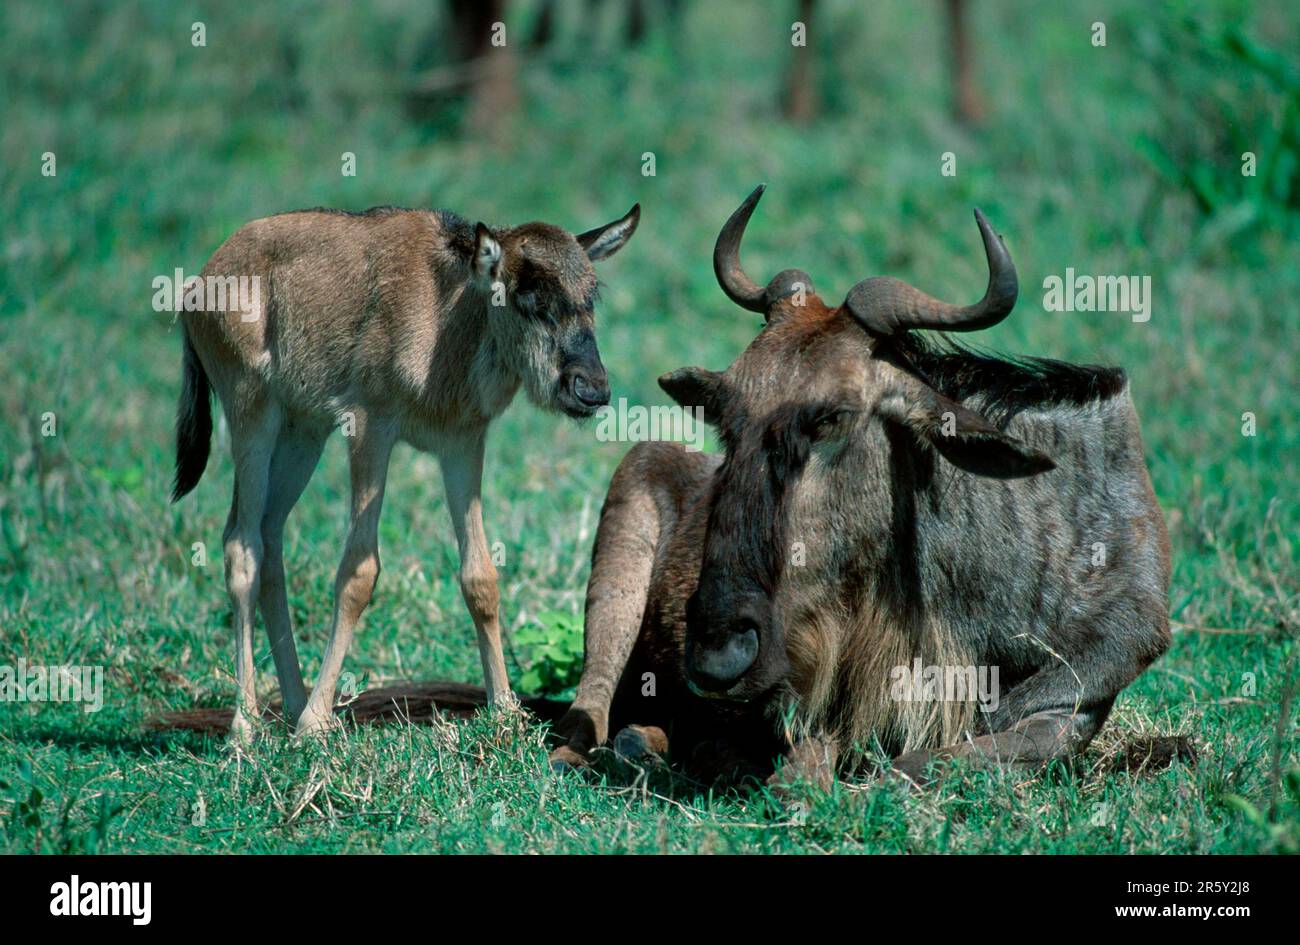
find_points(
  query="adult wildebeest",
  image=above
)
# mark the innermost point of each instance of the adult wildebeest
(395, 325)
(884, 503)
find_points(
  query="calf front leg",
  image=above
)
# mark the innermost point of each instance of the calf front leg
(462, 471)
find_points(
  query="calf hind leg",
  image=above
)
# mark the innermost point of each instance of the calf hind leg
(253, 436)
(294, 461)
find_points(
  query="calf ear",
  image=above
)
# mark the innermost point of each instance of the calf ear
(609, 239)
(965, 438)
(695, 387)
(487, 255)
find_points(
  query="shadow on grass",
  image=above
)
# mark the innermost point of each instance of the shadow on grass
(116, 739)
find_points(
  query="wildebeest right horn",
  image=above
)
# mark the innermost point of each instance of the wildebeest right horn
(887, 306)
(726, 258)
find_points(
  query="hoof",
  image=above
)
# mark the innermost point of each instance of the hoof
(640, 743)
(242, 731)
(565, 759)
(313, 724)
(798, 781)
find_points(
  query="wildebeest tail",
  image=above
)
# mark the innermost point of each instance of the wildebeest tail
(193, 422)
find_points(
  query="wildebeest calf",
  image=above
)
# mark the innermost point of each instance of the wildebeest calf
(393, 325)
(881, 501)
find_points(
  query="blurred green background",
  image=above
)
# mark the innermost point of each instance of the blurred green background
(1116, 159)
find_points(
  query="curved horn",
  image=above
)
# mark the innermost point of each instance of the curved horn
(726, 258)
(886, 306)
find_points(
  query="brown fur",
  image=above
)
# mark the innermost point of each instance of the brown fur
(944, 505)
(395, 325)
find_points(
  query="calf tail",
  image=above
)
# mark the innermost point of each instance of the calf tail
(193, 422)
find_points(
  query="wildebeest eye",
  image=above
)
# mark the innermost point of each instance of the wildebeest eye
(791, 432)
(825, 421)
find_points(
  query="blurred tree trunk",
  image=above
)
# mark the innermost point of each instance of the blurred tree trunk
(640, 17)
(491, 70)
(543, 26)
(967, 105)
(636, 22)
(800, 90)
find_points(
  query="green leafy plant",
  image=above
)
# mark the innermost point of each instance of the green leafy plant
(1280, 823)
(25, 819)
(1247, 101)
(550, 650)
(32, 826)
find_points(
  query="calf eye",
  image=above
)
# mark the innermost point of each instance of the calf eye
(535, 292)
(531, 305)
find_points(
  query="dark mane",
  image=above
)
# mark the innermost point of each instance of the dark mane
(1007, 385)
(372, 212)
(459, 231)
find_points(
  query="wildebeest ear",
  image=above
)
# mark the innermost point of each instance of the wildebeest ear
(609, 239)
(965, 438)
(695, 387)
(487, 254)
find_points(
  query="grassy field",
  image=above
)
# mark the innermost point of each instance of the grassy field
(1122, 159)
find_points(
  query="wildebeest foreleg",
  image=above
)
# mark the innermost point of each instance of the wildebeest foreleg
(1055, 712)
(810, 762)
(616, 598)
(1033, 741)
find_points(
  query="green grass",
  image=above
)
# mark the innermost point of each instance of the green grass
(163, 150)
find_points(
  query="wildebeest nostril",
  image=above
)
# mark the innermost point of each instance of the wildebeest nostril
(716, 668)
(589, 393)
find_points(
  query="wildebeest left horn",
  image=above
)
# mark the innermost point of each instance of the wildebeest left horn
(726, 258)
(887, 306)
